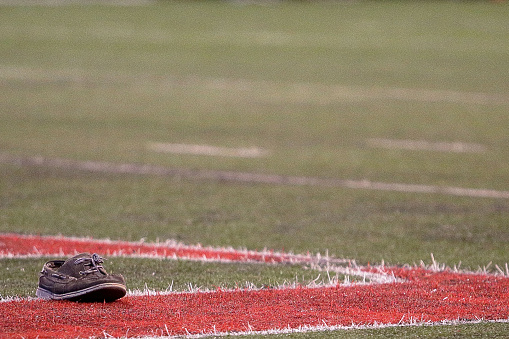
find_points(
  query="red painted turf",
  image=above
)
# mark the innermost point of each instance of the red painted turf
(425, 296)
(14, 244)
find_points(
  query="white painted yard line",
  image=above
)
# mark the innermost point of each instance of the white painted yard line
(246, 177)
(292, 285)
(432, 189)
(251, 152)
(271, 91)
(126, 168)
(423, 145)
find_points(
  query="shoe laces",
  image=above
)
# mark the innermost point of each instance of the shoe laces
(94, 262)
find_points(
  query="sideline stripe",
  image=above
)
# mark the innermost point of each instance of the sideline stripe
(146, 169)
(316, 93)
(251, 152)
(425, 297)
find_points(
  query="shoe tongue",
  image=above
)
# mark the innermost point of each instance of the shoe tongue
(73, 266)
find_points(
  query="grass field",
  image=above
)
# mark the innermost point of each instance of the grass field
(393, 92)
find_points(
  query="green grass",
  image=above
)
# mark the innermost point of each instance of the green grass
(101, 83)
(490, 330)
(296, 78)
(20, 276)
(363, 225)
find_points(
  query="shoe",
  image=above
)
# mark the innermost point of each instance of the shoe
(80, 278)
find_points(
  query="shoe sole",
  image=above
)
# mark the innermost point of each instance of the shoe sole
(106, 292)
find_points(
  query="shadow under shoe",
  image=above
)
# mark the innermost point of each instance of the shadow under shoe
(80, 278)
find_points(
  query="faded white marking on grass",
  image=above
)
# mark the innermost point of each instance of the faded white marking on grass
(423, 145)
(251, 152)
(270, 91)
(246, 177)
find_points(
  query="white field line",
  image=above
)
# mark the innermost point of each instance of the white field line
(251, 152)
(423, 145)
(318, 283)
(245, 177)
(270, 91)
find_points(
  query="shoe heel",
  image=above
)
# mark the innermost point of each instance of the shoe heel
(43, 294)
